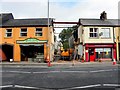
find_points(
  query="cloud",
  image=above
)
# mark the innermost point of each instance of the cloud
(26, 9)
(61, 10)
(85, 9)
(24, 0)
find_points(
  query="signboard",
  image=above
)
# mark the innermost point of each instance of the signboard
(99, 46)
(31, 40)
(31, 44)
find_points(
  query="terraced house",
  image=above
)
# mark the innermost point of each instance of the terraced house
(26, 39)
(117, 40)
(97, 38)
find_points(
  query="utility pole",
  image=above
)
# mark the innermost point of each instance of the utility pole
(49, 42)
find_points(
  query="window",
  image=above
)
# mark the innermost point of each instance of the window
(105, 33)
(93, 32)
(8, 33)
(23, 32)
(103, 52)
(38, 32)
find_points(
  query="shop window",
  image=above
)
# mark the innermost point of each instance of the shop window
(103, 52)
(93, 32)
(8, 33)
(105, 32)
(23, 32)
(38, 32)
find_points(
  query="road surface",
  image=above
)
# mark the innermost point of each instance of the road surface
(60, 78)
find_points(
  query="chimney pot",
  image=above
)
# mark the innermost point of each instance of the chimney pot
(103, 15)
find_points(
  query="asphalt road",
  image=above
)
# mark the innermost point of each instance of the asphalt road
(60, 78)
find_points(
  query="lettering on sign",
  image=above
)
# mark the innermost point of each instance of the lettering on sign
(31, 40)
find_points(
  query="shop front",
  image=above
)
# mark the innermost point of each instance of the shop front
(100, 52)
(32, 49)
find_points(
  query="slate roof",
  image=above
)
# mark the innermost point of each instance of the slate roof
(99, 22)
(26, 22)
(5, 17)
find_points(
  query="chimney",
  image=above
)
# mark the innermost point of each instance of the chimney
(103, 15)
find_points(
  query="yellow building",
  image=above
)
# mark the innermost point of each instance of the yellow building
(117, 39)
(26, 39)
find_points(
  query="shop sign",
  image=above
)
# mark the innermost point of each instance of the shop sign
(99, 45)
(31, 40)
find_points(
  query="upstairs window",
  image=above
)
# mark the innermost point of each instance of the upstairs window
(93, 32)
(105, 32)
(23, 32)
(8, 33)
(38, 32)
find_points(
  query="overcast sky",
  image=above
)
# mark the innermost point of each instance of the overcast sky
(61, 10)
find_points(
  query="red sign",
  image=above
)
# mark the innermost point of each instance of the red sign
(99, 45)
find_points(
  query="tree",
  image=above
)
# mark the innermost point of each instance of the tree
(66, 34)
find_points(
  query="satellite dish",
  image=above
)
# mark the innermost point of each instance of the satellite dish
(100, 34)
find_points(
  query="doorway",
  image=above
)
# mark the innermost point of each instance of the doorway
(7, 51)
(92, 54)
(30, 52)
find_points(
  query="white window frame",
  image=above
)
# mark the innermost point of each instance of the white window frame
(105, 34)
(6, 33)
(93, 32)
(38, 32)
(23, 32)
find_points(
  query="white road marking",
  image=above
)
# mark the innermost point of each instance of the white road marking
(42, 72)
(82, 87)
(6, 86)
(54, 71)
(1, 71)
(62, 71)
(27, 87)
(75, 71)
(48, 72)
(101, 71)
(116, 69)
(112, 85)
(17, 71)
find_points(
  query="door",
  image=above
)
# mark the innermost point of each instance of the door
(91, 54)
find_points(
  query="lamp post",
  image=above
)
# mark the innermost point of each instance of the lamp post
(48, 45)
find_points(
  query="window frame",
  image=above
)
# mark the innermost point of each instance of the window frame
(23, 32)
(105, 35)
(103, 51)
(38, 32)
(6, 33)
(93, 32)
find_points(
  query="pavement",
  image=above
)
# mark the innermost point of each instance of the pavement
(56, 63)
